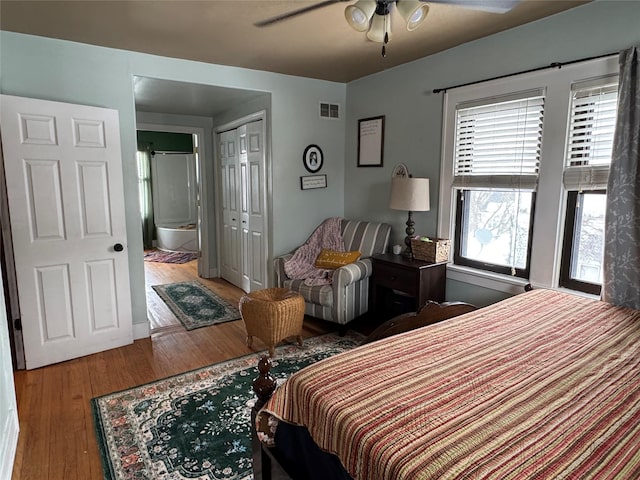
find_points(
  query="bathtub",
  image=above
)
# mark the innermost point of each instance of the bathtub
(181, 238)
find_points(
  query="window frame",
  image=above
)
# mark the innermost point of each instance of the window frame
(550, 205)
(565, 279)
(459, 259)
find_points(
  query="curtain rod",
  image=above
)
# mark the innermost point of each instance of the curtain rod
(552, 65)
(169, 152)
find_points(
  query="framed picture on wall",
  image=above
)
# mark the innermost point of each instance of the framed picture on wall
(310, 182)
(312, 158)
(370, 141)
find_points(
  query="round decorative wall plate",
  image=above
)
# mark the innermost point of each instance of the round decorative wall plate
(312, 158)
(400, 170)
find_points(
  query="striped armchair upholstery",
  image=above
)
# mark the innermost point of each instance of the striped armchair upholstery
(348, 295)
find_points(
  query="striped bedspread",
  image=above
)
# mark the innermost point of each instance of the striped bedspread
(543, 385)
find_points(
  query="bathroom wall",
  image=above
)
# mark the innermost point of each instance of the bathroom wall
(172, 179)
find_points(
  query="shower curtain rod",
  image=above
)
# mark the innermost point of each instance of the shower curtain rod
(552, 65)
(169, 152)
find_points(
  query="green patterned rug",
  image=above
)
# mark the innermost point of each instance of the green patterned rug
(195, 305)
(195, 425)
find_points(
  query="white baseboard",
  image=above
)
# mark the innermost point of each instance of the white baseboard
(8, 444)
(140, 330)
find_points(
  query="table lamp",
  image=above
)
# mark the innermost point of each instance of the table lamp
(410, 194)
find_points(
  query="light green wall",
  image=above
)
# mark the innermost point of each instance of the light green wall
(76, 73)
(414, 114)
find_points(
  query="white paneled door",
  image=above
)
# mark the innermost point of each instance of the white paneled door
(64, 184)
(252, 174)
(230, 254)
(244, 200)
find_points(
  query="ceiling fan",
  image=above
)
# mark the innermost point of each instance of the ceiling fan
(373, 16)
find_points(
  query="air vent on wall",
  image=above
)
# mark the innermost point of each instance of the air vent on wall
(329, 110)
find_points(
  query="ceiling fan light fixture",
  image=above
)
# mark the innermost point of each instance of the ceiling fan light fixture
(359, 14)
(378, 28)
(413, 12)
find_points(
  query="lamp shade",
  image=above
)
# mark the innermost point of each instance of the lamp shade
(413, 12)
(410, 194)
(359, 14)
(378, 28)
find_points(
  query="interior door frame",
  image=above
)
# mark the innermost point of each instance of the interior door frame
(204, 260)
(9, 269)
(268, 183)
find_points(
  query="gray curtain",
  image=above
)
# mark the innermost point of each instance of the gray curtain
(622, 224)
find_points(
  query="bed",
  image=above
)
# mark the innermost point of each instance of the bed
(541, 385)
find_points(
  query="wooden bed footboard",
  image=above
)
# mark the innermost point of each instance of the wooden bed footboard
(430, 313)
(267, 464)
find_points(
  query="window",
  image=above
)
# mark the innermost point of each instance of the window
(589, 146)
(525, 163)
(497, 156)
(581, 267)
(493, 230)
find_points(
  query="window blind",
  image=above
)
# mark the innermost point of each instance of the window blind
(590, 137)
(497, 144)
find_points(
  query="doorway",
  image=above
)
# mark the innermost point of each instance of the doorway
(170, 173)
(188, 107)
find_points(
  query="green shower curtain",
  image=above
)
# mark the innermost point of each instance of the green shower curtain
(146, 198)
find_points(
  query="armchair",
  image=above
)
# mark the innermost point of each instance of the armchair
(348, 295)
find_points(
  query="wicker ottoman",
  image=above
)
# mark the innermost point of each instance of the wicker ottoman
(272, 315)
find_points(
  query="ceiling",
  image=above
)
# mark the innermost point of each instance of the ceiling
(319, 44)
(181, 98)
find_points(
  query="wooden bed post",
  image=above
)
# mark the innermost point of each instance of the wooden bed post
(263, 385)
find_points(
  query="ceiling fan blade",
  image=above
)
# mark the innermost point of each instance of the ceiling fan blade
(295, 13)
(492, 6)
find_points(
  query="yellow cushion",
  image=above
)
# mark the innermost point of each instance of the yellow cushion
(331, 259)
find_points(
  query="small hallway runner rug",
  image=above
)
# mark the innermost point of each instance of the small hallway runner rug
(195, 305)
(195, 425)
(160, 256)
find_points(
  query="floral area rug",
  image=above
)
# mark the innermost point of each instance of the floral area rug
(195, 425)
(161, 256)
(195, 305)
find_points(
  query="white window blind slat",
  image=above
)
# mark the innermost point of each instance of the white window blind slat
(591, 129)
(496, 182)
(498, 145)
(590, 138)
(586, 178)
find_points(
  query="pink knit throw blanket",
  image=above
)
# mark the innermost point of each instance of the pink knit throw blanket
(302, 264)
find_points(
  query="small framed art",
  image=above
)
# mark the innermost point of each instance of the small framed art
(370, 141)
(309, 182)
(312, 158)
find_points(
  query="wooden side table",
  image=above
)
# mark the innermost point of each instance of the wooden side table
(416, 278)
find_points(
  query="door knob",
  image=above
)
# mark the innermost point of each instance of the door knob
(118, 247)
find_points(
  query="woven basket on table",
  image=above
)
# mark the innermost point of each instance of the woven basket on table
(272, 315)
(434, 251)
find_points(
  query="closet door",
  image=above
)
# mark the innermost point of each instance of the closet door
(255, 243)
(230, 261)
(244, 210)
(244, 242)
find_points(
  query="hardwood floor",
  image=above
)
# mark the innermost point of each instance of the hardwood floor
(160, 316)
(57, 439)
